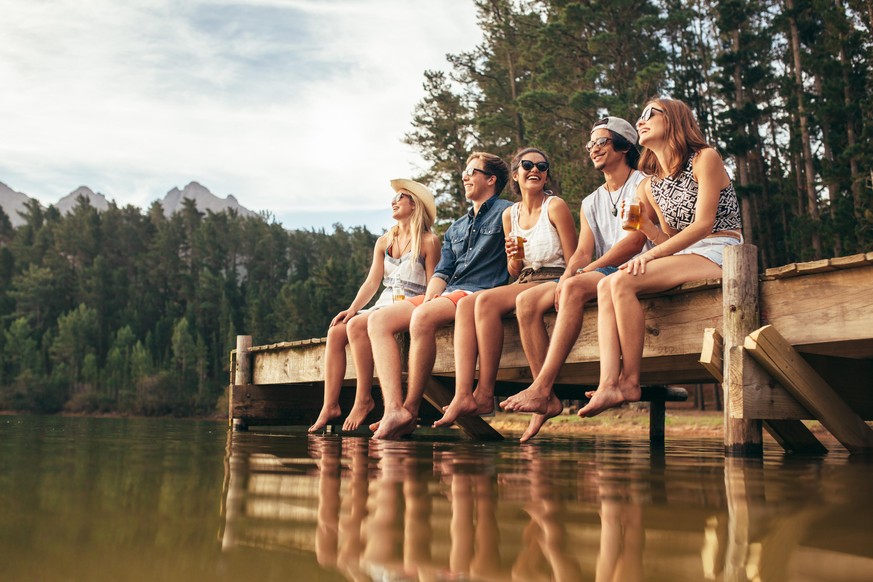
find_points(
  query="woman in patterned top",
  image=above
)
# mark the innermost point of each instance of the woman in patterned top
(689, 211)
(404, 257)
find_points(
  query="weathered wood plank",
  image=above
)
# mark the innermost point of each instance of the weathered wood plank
(830, 307)
(775, 354)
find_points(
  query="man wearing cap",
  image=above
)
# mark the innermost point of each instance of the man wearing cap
(473, 258)
(612, 149)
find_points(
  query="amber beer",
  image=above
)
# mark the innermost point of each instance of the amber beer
(519, 245)
(631, 218)
(398, 293)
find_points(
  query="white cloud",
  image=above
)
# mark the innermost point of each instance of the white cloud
(289, 105)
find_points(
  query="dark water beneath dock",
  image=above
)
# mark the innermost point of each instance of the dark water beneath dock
(115, 499)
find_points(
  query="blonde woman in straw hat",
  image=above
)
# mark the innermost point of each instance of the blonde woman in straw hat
(404, 259)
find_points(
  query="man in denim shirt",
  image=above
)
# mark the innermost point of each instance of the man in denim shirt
(473, 258)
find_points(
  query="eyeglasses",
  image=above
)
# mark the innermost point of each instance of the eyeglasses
(647, 113)
(599, 142)
(399, 196)
(471, 170)
(528, 166)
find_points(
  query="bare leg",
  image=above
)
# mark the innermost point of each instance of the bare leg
(539, 396)
(400, 418)
(334, 371)
(363, 356)
(381, 327)
(466, 354)
(490, 309)
(661, 274)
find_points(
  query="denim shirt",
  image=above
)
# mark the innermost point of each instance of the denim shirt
(473, 254)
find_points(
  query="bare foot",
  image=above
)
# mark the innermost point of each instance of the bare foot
(328, 413)
(605, 398)
(538, 420)
(358, 413)
(395, 424)
(530, 399)
(464, 405)
(375, 426)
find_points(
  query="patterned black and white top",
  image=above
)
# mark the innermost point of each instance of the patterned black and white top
(677, 198)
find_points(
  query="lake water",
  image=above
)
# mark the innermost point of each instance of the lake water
(157, 499)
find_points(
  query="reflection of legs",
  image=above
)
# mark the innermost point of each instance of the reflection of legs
(384, 533)
(334, 371)
(466, 354)
(461, 526)
(621, 542)
(351, 544)
(417, 528)
(363, 357)
(629, 324)
(423, 324)
(486, 562)
(326, 532)
(381, 327)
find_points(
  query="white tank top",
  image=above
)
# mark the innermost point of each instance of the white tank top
(543, 245)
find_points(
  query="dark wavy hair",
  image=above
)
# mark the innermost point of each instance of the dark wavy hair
(516, 161)
(621, 144)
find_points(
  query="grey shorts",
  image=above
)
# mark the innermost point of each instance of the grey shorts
(711, 247)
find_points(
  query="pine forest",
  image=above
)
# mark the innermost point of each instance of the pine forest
(132, 312)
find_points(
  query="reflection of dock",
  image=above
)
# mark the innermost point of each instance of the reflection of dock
(823, 310)
(419, 511)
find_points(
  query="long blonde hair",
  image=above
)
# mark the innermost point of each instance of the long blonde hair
(419, 223)
(682, 135)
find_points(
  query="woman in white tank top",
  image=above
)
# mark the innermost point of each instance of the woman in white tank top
(545, 225)
(406, 257)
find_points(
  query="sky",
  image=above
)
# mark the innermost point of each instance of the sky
(296, 107)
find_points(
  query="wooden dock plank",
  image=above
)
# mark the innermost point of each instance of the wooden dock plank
(775, 354)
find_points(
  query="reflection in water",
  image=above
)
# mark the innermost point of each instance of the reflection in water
(588, 509)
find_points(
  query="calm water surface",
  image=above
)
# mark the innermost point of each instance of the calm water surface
(116, 499)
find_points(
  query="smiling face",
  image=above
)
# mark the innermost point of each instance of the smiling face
(530, 171)
(478, 183)
(651, 124)
(402, 205)
(604, 156)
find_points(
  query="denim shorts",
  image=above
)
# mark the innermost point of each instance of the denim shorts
(711, 247)
(607, 271)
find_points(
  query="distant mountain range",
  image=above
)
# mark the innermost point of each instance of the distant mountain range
(13, 202)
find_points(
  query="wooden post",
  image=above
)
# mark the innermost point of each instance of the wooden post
(741, 316)
(242, 375)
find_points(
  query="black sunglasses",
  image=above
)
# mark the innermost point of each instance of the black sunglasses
(528, 166)
(647, 113)
(599, 142)
(471, 170)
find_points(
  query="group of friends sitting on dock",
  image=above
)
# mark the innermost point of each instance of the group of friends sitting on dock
(688, 214)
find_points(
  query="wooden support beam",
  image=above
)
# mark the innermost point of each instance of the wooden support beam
(785, 364)
(241, 375)
(438, 395)
(791, 434)
(740, 316)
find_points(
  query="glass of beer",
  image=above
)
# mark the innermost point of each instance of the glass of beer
(398, 293)
(630, 218)
(519, 245)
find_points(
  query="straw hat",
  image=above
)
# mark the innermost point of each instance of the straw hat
(420, 191)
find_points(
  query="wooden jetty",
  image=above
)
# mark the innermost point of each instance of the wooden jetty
(812, 359)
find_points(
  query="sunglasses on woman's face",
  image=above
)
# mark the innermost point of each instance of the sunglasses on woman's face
(399, 196)
(647, 113)
(529, 165)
